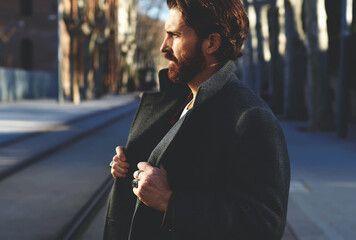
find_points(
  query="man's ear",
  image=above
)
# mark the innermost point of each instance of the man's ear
(212, 43)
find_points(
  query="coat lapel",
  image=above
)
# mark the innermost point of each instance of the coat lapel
(152, 120)
(161, 147)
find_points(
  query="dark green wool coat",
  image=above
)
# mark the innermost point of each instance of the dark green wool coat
(227, 165)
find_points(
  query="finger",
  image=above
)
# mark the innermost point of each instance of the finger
(144, 166)
(115, 174)
(136, 191)
(136, 174)
(142, 177)
(119, 164)
(122, 164)
(115, 158)
(120, 152)
(119, 169)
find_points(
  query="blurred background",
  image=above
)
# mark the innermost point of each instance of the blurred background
(70, 76)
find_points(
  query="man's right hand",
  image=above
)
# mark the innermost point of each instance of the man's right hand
(119, 167)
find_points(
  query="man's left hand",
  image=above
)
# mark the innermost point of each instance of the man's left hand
(152, 189)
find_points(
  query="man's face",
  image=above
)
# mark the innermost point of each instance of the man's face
(182, 48)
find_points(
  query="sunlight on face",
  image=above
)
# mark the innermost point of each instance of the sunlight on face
(182, 48)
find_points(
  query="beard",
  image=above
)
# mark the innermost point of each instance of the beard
(185, 70)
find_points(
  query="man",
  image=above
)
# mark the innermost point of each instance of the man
(208, 157)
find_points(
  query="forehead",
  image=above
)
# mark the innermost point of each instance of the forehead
(176, 23)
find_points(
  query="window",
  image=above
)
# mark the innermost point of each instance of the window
(26, 8)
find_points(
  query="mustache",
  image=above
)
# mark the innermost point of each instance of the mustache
(170, 56)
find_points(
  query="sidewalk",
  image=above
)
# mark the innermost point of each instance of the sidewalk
(323, 184)
(28, 116)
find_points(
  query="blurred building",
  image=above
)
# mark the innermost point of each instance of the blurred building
(28, 34)
(126, 32)
(97, 40)
(96, 48)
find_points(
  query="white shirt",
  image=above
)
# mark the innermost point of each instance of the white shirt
(185, 110)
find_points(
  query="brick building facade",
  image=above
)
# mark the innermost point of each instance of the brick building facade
(28, 34)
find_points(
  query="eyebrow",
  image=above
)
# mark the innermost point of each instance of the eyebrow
(174, 33)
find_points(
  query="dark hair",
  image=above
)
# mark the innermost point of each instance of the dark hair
(226, 17)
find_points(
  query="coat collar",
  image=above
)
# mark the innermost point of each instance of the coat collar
(215, 83)
(208, 89)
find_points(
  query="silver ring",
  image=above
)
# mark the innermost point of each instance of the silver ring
(112, 163)
(134, 183)
(136, 173)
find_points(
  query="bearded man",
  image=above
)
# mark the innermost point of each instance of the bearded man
(208, 157)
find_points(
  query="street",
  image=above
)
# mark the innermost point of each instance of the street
(48, 178)
(40, 200)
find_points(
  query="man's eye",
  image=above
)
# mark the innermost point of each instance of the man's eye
(172, 34)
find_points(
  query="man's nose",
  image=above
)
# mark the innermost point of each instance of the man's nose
(164, 47)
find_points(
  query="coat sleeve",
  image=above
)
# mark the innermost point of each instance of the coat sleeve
(252, 202)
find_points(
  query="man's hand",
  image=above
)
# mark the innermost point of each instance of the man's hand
(119, 166)
(152, 189)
